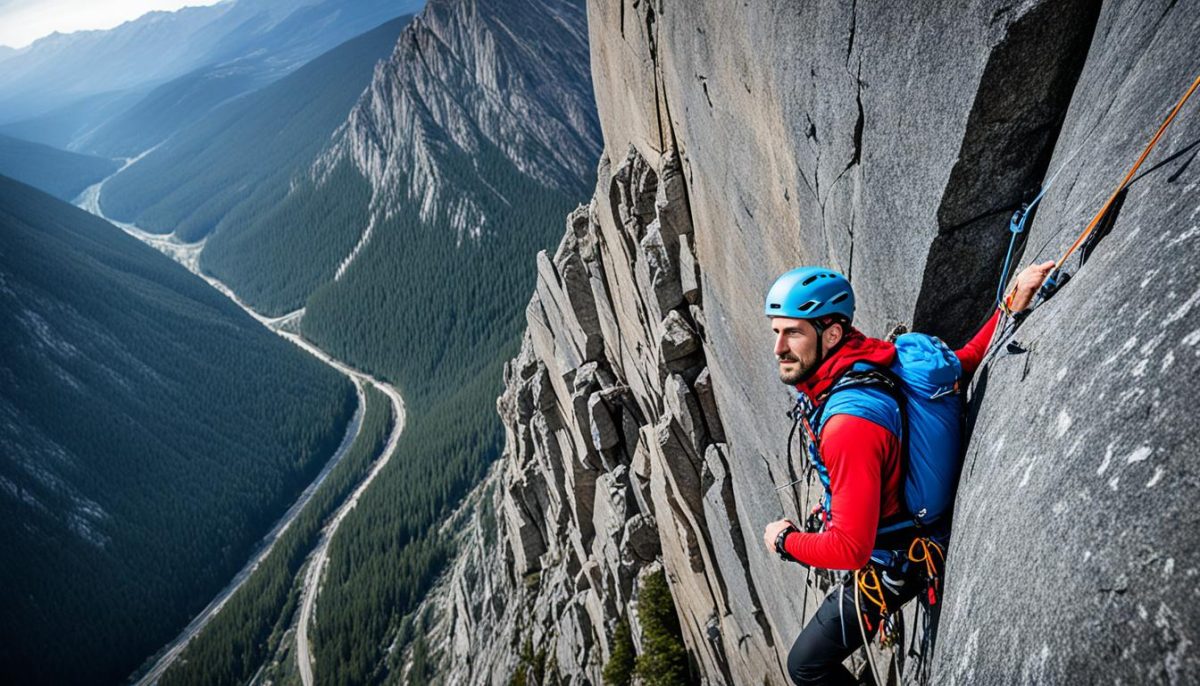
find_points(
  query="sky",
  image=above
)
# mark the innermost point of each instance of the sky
(24, 21)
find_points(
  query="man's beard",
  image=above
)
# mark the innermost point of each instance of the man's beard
(801, 371)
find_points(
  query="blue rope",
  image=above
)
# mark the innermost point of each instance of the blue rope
(1016, 226)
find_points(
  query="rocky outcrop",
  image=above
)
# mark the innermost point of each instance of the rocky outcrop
(463, 85)
(644, 421)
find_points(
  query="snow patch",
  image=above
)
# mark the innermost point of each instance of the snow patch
(1158, 475)
(1025, 476)
(1185, 236)
(1139, 455)
(1108, 456)
(1063, 423)
(1181, 311)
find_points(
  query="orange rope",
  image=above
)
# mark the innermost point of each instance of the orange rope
(927, 549)
(1125, 181)
(872, 590)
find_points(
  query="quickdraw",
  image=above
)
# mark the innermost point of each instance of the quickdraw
(870, 587)
(933, 555)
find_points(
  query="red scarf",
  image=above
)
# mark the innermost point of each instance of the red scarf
(855, 348)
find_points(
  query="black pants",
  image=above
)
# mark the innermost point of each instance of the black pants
(833, 633)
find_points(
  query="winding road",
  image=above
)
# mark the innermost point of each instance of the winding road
(188, 254)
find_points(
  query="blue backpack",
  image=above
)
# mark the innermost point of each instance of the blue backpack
(915, 398)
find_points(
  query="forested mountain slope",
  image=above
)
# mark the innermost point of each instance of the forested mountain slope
(424, 290)
(58, 172)
(235, 165)
(472, 146)
(645, 421)
(150, 433)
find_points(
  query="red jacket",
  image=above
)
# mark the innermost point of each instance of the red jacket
(863, 459)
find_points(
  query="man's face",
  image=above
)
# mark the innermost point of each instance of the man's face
(795, 348)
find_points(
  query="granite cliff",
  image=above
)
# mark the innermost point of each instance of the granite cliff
(462, 82)
(645, 426)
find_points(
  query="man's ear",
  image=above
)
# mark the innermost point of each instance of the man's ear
(834, 333)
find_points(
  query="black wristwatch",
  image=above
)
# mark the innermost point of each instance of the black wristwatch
(779, 548)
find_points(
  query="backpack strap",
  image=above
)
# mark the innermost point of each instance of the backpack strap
(894, 529)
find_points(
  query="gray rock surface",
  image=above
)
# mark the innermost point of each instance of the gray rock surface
(891, 143)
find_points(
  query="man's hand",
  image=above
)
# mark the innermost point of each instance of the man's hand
(772, 532)
(1028, 283)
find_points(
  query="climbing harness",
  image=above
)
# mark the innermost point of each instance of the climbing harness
(871, 589)
(870, 583)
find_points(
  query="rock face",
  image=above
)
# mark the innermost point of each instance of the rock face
(644, 421)
(461, 84)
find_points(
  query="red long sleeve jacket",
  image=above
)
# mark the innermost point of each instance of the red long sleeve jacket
(863, 459)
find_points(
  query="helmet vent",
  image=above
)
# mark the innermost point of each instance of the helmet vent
(808, 306)
(809, 280)
(775, 306)
(839, 297)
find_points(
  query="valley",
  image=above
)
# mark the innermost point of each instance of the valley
(407, 280)
(188, 255)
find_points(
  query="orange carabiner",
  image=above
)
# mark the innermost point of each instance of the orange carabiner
(927, 551)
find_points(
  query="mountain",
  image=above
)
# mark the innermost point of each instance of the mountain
(472, 144)
(422, 111)
(60, 127)
(239, 69)
(645, 431)
(61, 68)
(151, 434)
(169, 68)
(58, 172)
(409, 241)
(242, 158)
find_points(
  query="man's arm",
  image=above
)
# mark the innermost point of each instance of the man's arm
(853, 450)
(971, 354)
(1028, 282)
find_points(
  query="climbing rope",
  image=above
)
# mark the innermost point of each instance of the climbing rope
(1016, 227)
(928, 549)
(859, 613)
(1055, 280)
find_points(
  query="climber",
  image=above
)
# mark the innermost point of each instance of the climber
(864, 523)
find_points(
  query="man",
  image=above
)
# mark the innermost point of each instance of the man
(811, 312)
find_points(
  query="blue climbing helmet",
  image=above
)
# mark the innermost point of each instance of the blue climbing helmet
(810, 293)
